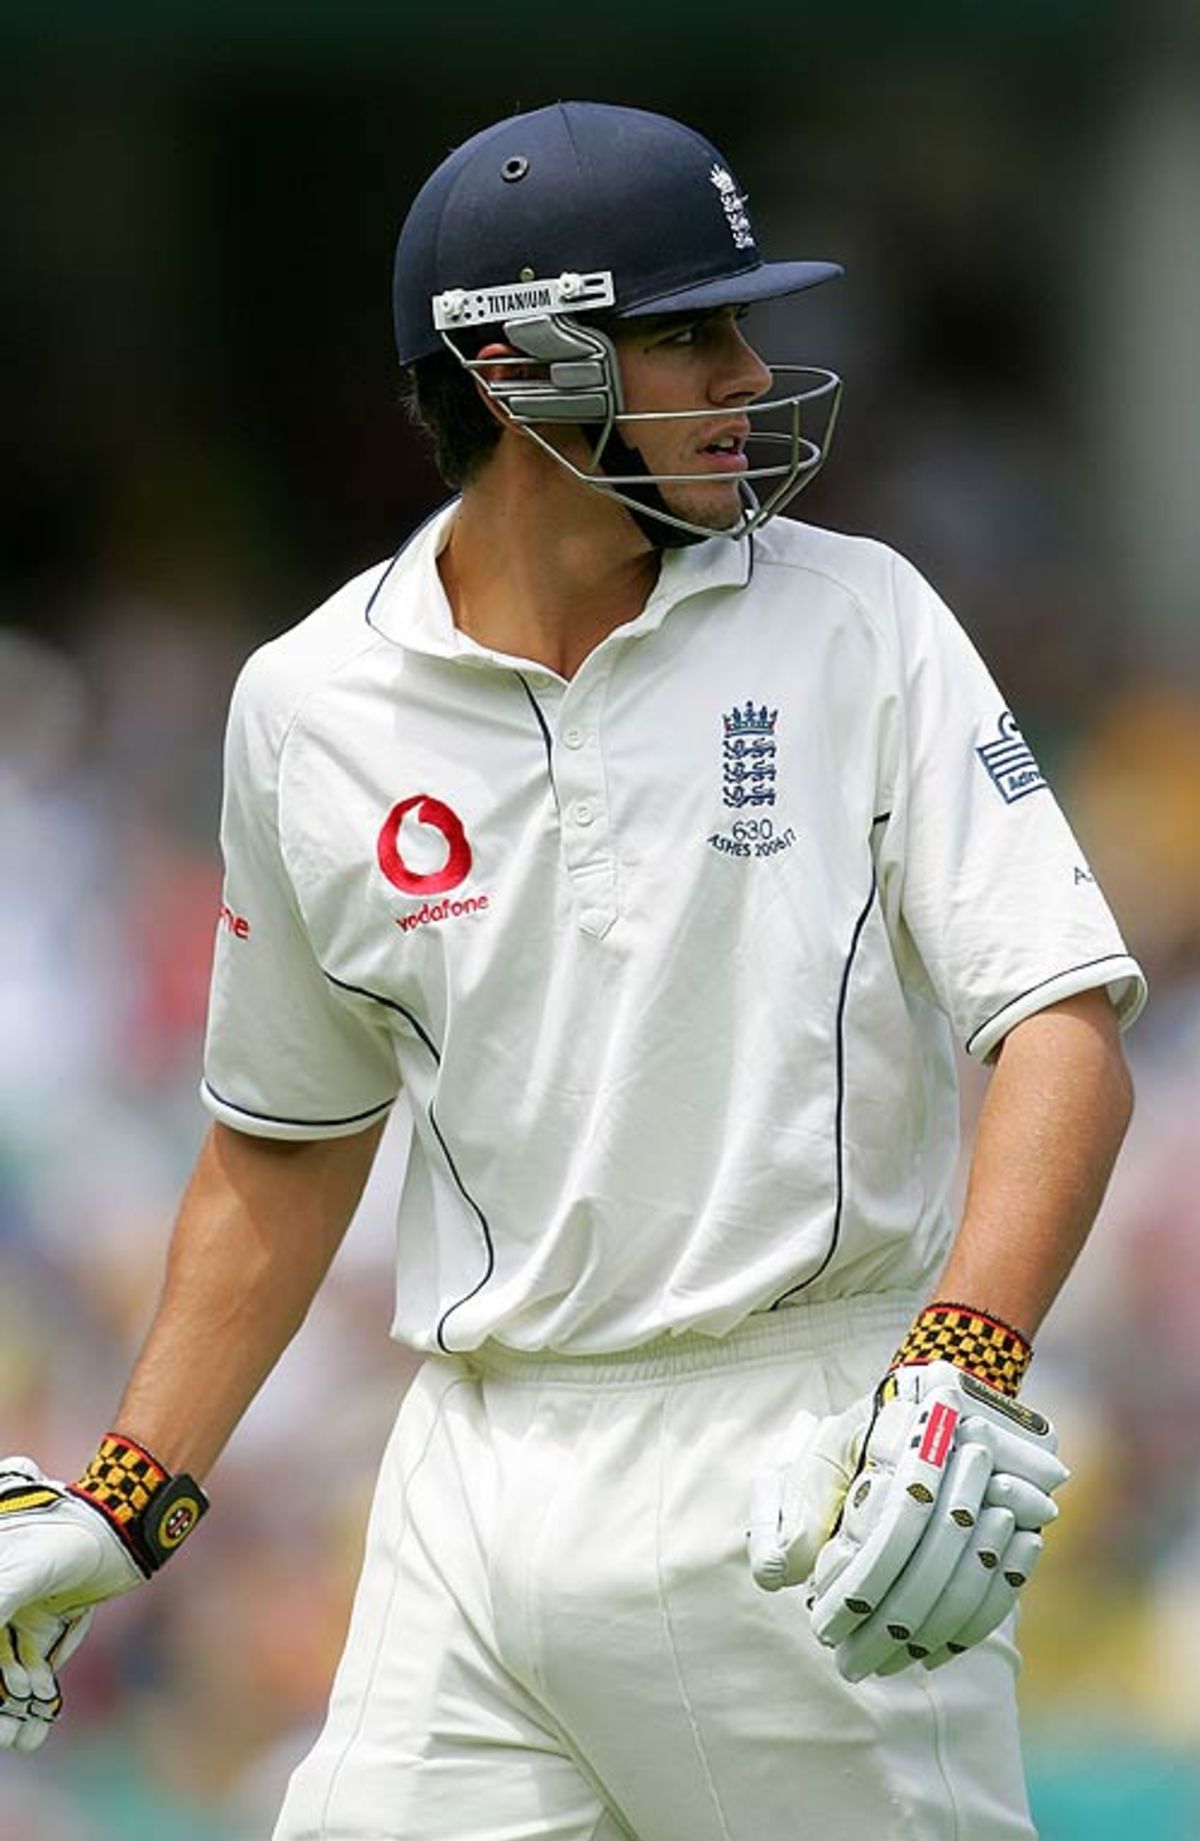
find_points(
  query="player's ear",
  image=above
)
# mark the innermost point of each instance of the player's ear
(496, 349)
(499, 373)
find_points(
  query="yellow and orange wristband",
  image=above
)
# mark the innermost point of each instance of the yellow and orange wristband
(974, 1340)
(151, 1512)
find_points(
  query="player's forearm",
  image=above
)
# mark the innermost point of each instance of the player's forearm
(1056, 1111)
(257, 1229)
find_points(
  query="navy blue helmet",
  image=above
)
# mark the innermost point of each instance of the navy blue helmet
(539, 221)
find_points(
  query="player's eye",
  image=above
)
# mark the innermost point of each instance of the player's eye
(704, 326)
(681, 335)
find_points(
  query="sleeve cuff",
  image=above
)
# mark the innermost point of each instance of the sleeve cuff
(269, 1125)
(1117, 972)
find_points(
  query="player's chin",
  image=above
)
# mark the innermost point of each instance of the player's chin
(715, 508)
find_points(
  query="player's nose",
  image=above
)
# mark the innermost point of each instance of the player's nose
(742, 376)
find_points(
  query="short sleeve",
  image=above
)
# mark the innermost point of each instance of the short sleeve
(286, 1054)
(993, 909)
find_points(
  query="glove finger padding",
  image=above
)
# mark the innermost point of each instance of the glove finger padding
(15, 1678)
(1013, 1574)
(19, 1733)
(25, 1669)
(964, 1592)
(907, 1603)
(797, 1497)
(1017, 1453)
(32, 1648)
(1031, 1508)
(890, 1503)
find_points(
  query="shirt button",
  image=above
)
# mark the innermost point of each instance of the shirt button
(573, 738)
(583, 813)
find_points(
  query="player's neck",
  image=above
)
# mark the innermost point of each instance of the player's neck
(539, 567)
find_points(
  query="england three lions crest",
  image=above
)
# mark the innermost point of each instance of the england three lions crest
(749, 756)
(733, 203)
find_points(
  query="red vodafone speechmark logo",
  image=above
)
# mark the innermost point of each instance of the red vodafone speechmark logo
(438, 817)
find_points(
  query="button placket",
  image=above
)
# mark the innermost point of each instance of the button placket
(579, 767)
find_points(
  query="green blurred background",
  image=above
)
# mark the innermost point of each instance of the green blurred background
(201, 439)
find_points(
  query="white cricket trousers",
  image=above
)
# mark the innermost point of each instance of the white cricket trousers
(556, 1636)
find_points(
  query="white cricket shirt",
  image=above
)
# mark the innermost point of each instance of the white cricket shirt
(669, 958)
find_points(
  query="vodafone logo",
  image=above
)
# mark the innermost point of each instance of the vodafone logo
(436, 817)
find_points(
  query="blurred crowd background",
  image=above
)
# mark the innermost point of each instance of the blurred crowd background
(201, 439)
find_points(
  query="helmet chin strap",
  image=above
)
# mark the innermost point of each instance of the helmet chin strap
(618, 457)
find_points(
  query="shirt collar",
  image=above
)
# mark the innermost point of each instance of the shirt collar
(409, 605)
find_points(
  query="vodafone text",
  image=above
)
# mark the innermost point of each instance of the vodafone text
(440, 911)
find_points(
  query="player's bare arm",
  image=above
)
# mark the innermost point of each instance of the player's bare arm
(1057, 1108)
(919, 1512)
(258, 1226)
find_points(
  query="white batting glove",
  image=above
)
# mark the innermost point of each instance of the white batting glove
(981, 1592)
(33, 1647)
(65, 1549)
(796, 1499)
(954, 1488)
(57, 1558)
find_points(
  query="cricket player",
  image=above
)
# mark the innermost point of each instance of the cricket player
(659, 849)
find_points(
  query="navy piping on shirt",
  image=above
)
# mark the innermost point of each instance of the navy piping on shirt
(406, 545)
(275, 1118)
(1085, 966)
(546, 735)
(840, 1106)
(423, 1035)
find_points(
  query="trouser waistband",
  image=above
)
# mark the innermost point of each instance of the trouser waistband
(816, 1328)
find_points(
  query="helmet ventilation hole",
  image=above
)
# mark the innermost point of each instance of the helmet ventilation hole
(514, 168)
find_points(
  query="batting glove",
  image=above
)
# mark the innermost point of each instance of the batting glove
(33, 1647)
(917, 1512)
(797, 1497)
(953, 1475)
(65, 1548)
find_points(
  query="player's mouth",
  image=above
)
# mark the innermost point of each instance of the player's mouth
(725, 453)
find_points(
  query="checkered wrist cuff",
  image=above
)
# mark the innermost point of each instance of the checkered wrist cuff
(983, 1345)
(150, 1511)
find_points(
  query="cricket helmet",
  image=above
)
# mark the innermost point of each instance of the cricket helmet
(542, 220)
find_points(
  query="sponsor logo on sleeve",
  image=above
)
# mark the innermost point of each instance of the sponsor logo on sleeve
(235, 924)
(1009, 761)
